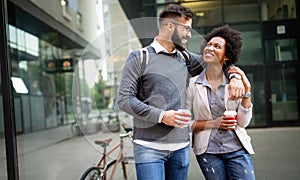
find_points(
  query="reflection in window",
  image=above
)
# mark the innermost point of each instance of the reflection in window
(25, 42)
(281, 50)
(164, 1)
(31, 44)
(256, 77)
(234, 11)
(278, 10)
(208, 13)
(35, 77)
(284, 94)
(12, 36)
(251, 50)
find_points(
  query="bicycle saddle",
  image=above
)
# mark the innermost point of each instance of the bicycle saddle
(104, 142)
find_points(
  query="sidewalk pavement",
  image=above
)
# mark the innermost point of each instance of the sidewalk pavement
(57, 154)
(276, 154)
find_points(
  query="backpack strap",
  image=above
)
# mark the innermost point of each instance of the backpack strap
(144, 59)
(186, 57)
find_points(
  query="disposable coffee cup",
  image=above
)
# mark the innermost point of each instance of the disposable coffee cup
(186, 112)
(230, 115)
(185, 117)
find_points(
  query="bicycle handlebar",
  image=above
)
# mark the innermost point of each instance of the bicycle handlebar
(128, 134)
(128, 131)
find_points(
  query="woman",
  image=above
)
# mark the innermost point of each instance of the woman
(222, 147)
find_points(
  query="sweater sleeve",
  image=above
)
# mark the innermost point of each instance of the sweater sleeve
(196, 64)
(127, 93)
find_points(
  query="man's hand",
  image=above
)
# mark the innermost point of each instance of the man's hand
(235, 86)
(175, 119)
(236, 89)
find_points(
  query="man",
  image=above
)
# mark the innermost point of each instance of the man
(161, 138)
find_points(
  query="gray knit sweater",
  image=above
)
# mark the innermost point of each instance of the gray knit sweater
(164, 82)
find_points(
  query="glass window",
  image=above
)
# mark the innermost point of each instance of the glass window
(255, 75)
(251, 50)
(278, 50)
(31, 44)
(45, 114)
(79, 20)
(12, 36)
(237, 11)
(35, 77)
(278, 10)
(164, 1)
(207, 13)
(66, 9)
(21, 40)
(284, 93)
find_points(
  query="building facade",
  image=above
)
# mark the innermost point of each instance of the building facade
(270, 52)
(45, 44)
(50, 49)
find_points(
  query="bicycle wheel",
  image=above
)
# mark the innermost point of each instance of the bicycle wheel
(119, 173)
(92, 173)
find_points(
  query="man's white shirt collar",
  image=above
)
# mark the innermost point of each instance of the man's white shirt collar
(159, 48)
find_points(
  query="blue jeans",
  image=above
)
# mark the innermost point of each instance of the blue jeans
(154, 164)
(233, 166)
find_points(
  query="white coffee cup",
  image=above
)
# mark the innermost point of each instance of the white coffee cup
(230, 115)
(185, 118)
(186, 112)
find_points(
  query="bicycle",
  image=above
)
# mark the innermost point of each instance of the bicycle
(105, 168)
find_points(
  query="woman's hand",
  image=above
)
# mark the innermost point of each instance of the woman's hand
(228, 123)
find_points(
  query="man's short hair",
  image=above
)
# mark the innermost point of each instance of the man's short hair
(173, 11)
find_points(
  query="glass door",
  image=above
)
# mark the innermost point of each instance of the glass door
(282, 60)
(283, 93)
(281, 51)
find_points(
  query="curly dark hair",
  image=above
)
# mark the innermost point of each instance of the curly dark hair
(233, 42)
(176, 11)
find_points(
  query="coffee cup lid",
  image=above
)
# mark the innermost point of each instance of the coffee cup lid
(230, 113)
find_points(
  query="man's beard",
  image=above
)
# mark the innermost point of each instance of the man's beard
(177, 41)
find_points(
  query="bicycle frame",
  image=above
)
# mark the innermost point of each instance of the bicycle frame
(103, 161)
